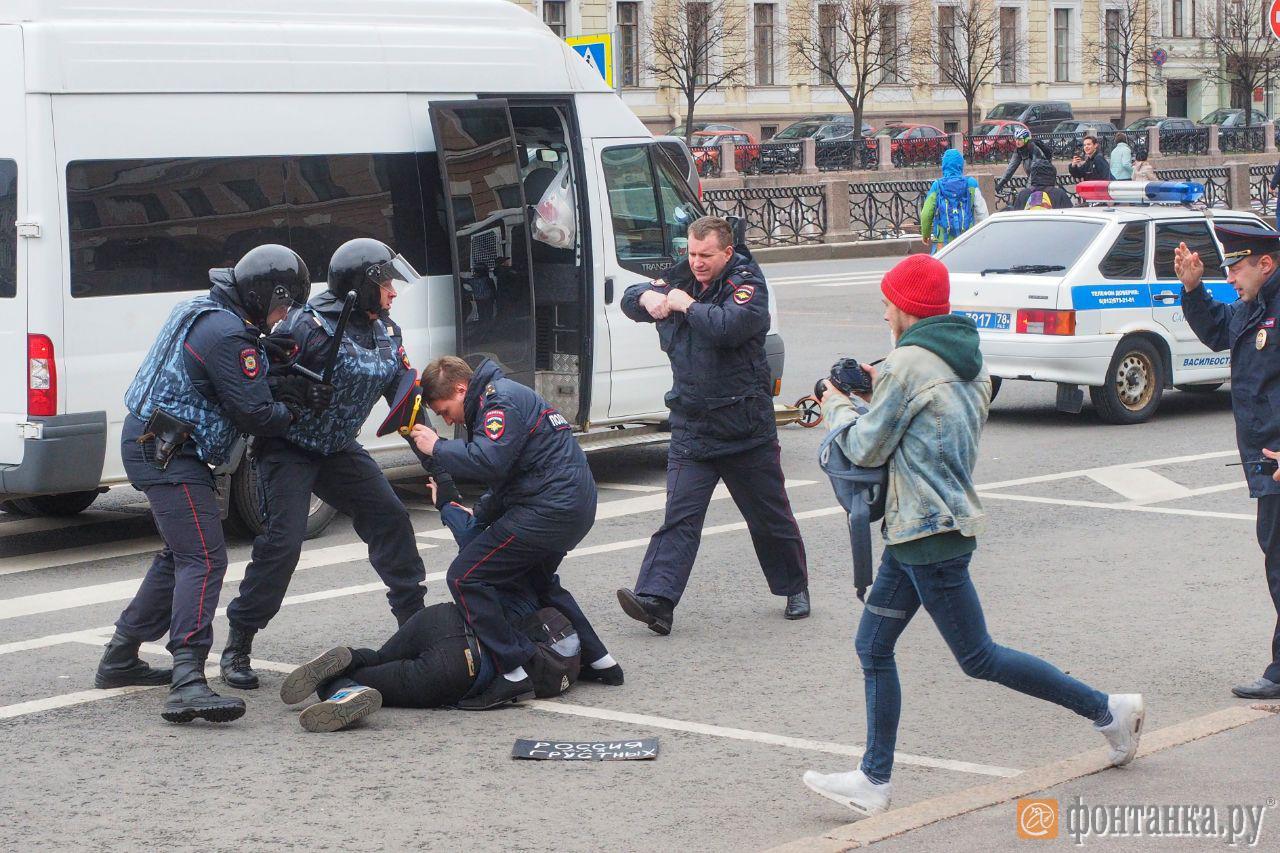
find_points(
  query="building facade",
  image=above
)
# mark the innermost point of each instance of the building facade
(1056, 50)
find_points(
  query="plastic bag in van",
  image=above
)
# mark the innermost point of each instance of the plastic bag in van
(556, 222)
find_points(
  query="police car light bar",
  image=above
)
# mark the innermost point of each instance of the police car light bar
(1140, 192)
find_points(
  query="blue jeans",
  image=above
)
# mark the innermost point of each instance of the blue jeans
(949, 597)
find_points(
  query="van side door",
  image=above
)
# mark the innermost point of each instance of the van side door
(13, 288)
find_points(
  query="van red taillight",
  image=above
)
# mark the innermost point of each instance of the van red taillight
(1043, 321)
(42, 377)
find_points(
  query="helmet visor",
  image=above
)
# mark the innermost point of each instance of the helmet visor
(396, 274)
(285, 296)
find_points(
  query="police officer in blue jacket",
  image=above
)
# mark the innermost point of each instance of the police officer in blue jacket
(541, 502)
(1248, 328)
(712, 314)
(320, 454)
(202, 384)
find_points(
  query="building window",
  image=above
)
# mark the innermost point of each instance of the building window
(629, 42)
(1184, 18)
(947, 39)
(1061, 45)
(890, 44)
(1112, 34)
(764, 43)
(554, 16)
(1008, 45)
(699, 23)
(828, 29)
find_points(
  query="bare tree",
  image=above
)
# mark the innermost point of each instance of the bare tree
(853, 45)
(1124, 46)
(698, 46)
(961, 45)
(1240, 50)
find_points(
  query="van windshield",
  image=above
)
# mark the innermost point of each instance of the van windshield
(1006, 111)
(1022, 242)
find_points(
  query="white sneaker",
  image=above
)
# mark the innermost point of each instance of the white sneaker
(1125, 730)
(852, 789)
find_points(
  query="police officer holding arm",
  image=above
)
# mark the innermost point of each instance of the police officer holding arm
(320, 454)
(202, 384)
(712, 315)
(1247, 327)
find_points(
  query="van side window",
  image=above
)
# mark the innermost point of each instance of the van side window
(1198, 239)
(651, 206)
(1127, 258)
(159, 225)
(8, 229)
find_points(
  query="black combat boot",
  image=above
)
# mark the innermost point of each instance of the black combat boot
(121, 667)
(190, 696)
(236, 671)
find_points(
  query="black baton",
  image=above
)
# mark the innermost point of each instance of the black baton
(348, 304)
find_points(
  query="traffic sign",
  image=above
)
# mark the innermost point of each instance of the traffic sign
(597, 51)
(1273, 18)
(1159, 56)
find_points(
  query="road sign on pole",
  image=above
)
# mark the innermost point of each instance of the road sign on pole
(597, 51)
(1273, 18)
(1159, 56)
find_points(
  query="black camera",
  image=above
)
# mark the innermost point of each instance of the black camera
(847, 377)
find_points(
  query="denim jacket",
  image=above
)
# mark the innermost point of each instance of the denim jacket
(925, 420)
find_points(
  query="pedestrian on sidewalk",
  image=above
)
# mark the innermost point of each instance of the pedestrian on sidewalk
(1275, 191)
(1143, 169)
(1247, 327)
(928, 403)
(1042, 191)
(1122, 159)
(953, 205)
(1090, 165)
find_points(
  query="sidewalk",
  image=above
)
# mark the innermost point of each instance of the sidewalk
(1223, 759)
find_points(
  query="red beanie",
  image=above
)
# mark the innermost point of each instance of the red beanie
(918, 285)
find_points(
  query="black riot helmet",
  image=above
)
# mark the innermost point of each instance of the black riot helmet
(269, 277)
(364, 266)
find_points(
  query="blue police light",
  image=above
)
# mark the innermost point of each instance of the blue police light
(1141, 192)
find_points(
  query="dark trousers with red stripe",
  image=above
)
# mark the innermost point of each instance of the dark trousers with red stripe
(499, 559)
(180, 592)
(755, 482)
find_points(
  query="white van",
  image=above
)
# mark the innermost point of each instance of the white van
(144, 144)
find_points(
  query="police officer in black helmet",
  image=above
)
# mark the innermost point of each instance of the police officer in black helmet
(202, 384)
(321, 455)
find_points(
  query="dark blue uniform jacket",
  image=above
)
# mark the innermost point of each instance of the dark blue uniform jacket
(721, 401)
(212, 355)
(525, 450)
(315, 347)
(1255, 371)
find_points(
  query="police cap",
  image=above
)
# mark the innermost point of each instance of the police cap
(1240, 241)
(406, 406)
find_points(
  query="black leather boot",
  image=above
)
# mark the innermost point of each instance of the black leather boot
(653, 610)
(190, 696)
(499, 692)
(236, 671)
(121, 667)
(797, 605)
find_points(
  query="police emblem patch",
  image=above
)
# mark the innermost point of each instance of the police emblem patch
(249, 362)
(742, 293)
(495, 424)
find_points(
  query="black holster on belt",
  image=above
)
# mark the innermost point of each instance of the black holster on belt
(166, 434)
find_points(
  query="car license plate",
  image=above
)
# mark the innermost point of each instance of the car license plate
(988, 319)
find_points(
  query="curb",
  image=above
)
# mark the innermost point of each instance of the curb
(839, 251)
(853, 836)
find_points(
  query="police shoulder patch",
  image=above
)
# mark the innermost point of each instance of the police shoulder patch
(742, 293)
(249, 363)
(495, 424)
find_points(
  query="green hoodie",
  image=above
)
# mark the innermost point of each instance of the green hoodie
(952, 338)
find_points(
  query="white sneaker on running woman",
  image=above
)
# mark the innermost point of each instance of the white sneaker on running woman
(852, 789)
(1125, 730)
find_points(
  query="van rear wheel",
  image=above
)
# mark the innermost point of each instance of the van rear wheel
(70, 503)
(1134, 386)
(246, 514)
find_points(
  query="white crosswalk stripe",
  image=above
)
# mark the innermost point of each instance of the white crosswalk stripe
(850, 279)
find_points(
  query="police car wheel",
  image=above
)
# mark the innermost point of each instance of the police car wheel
(70, 503)
(246, 517)
(1134, 386)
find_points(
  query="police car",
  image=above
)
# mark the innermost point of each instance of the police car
(1087, 296)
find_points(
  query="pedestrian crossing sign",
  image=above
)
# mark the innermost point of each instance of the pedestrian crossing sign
(597, 51)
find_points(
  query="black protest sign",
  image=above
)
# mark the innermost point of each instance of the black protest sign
(596, 750)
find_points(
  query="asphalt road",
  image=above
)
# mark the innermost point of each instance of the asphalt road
(1138, 578)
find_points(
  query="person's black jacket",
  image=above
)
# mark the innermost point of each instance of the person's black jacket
(1095, 168)
(1044, 178)
(1026, 157)
(1249, 330)
(721, 401)
(525, 451)
(1275, 178)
